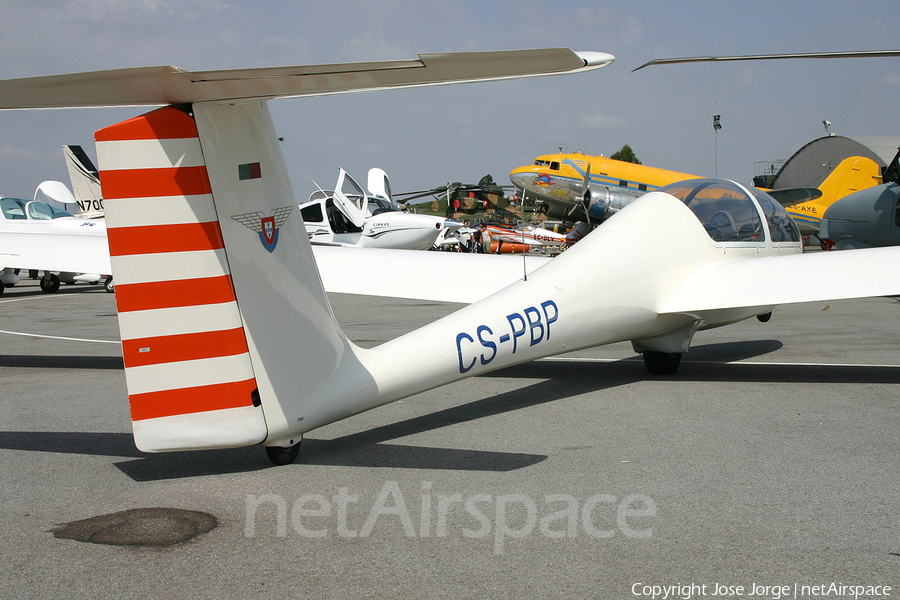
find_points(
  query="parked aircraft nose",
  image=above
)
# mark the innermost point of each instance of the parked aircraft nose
(522, 177)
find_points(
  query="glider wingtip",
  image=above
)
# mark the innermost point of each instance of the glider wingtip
(594, 59)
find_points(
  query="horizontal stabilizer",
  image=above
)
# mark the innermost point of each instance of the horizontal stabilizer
(172, 85)
(439, 276)
(787, 279)
(791, 196)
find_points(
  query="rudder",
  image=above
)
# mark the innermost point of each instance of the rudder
(187, 366)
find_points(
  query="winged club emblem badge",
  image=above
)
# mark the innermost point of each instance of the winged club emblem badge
(266, 227)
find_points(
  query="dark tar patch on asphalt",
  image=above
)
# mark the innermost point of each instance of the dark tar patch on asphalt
(158, 527)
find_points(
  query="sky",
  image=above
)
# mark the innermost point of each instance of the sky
(427, 137)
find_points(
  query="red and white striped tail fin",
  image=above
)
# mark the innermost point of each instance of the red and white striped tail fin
(190, 378)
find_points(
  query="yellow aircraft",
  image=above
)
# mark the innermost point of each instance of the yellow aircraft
(851, 175)
(575, 186)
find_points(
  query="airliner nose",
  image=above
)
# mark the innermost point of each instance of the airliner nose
(518, 178)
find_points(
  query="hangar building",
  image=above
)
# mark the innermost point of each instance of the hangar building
(812, 163)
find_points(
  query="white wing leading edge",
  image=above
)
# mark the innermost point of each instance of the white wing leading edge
(788, 279)
(152, 86)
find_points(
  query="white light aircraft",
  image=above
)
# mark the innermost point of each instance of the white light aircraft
(348, 216)
(37, 235)
(228, 336)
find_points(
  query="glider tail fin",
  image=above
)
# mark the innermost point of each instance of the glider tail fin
(204, 331)
(187, 366)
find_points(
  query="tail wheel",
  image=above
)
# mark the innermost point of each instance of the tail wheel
(108, 285)
(281, 456)
(662, 363)
(49, 283)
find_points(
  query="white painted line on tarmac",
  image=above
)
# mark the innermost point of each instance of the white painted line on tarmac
(33, 298)
(57, 337)
(711, 362)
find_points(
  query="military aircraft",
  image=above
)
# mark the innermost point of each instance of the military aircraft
(348, 216)
(579, 187)
(228, 336)
(460, 201)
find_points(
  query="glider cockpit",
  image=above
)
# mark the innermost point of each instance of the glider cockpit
(736, 215)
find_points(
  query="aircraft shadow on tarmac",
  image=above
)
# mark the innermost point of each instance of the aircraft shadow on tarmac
(45, 361)
(558, 380)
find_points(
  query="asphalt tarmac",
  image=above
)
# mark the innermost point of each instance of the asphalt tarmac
(770, 459)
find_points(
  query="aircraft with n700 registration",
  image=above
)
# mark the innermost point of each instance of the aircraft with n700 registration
(227, 333)
(37, 235)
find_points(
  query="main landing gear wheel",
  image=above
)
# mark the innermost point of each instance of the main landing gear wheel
(662, 363)
(50, 283)
(283, 456)
(108, 285)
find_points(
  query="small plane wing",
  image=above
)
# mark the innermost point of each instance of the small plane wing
(512, 238)
(172, 85)
(787, 279)
(55, 252)
(439, 276)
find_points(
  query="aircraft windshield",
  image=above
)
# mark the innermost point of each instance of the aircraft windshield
(41, 211)
(781, 226)
(726, 211)
(13, 208)
(380, 205)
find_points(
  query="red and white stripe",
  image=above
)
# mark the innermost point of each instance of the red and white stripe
(186, 354)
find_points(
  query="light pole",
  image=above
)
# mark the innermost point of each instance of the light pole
(717, 126)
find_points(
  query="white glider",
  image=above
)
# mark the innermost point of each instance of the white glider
(228, 336)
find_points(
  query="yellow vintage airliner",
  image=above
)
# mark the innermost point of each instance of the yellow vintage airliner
(579, 187)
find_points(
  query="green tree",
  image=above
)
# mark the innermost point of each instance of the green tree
(626, 154)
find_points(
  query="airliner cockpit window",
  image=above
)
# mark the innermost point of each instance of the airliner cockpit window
(724, 209)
